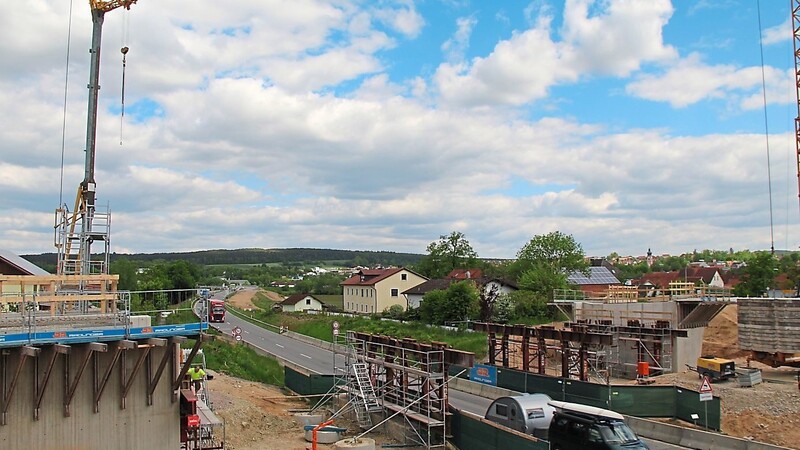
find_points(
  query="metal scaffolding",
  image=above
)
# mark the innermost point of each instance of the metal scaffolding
(397, 377)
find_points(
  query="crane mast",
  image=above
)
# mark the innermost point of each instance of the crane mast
(74, 247)
(795, 42)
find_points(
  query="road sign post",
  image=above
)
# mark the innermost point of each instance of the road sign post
(237, 334)
(335, 328)
(706, 394)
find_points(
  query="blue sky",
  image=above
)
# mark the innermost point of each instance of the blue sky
(383, 125)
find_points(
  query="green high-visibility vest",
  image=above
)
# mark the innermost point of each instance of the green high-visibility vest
(196, 373)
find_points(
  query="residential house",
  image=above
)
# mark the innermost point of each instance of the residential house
(371, 291)
(490, 286)
(12, 264)
(301, 303)
(415, 294)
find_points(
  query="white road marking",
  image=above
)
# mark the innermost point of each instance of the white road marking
(306, 356)
(279, 345)
(246, 331)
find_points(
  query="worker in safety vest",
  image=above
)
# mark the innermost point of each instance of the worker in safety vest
(196, 374)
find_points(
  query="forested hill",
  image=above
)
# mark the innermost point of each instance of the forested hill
(260, 256)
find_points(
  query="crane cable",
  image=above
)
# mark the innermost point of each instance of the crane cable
(766, 127)
(64, 118)
(124, 51)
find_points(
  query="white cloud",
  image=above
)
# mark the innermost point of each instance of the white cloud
(285, 127)
(690, 81)
(403, 18)
(455, 47)
(615, 41)
(778, 33)
(619, 39)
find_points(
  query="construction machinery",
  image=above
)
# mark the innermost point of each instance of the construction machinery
(76, 231)
(714, 368)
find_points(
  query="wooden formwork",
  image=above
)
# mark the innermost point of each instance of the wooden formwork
(54, 291)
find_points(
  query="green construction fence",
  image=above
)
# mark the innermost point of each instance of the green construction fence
(307, 384)
(472, 433)
(639, 401)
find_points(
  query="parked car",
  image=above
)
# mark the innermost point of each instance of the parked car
(581, 427)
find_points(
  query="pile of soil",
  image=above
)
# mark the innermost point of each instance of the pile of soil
(242, 299)
(721, 337)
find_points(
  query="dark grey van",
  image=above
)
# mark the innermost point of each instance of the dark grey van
(581, 427)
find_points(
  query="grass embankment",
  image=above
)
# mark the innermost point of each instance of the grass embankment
(261, 300)
(321, 327)
(242, 362)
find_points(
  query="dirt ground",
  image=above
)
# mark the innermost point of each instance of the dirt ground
(257, 416)
(262, 417)
(243, 298)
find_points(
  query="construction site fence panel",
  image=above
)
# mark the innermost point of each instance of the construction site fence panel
(307, 384)
(473, 433)
(688, 403)
(643, 401)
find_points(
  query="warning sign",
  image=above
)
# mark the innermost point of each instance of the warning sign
(705, 388)
(706, 391)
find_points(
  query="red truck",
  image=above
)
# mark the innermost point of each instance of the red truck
(216, 311)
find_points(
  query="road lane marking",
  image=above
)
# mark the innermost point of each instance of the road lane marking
(306, 356)
(279, 345)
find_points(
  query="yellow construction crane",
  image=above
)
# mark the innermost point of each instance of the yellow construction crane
(74, 249)
(100, 5)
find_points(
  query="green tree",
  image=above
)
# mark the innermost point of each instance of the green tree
(543, 264)
(527, 306)
(543, 280)
(449, 252)
(458, 303)
(632, 271)
(431, 310)
(757, 276)
(670, 264)
(126, 269)
(790, 265)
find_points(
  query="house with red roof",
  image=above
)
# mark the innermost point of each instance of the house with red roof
(371, 291)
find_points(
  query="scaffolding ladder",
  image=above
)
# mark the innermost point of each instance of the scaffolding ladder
(368, 402)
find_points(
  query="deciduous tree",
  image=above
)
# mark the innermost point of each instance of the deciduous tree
(449, 252)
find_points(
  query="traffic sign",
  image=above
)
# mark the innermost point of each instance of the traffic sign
(706, 393)
(193, 420)
(335, 325)
(237, 330)
(238, 337)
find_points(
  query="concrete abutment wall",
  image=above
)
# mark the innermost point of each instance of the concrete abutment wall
(138, 426)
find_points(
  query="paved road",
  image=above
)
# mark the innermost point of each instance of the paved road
(317, 360)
